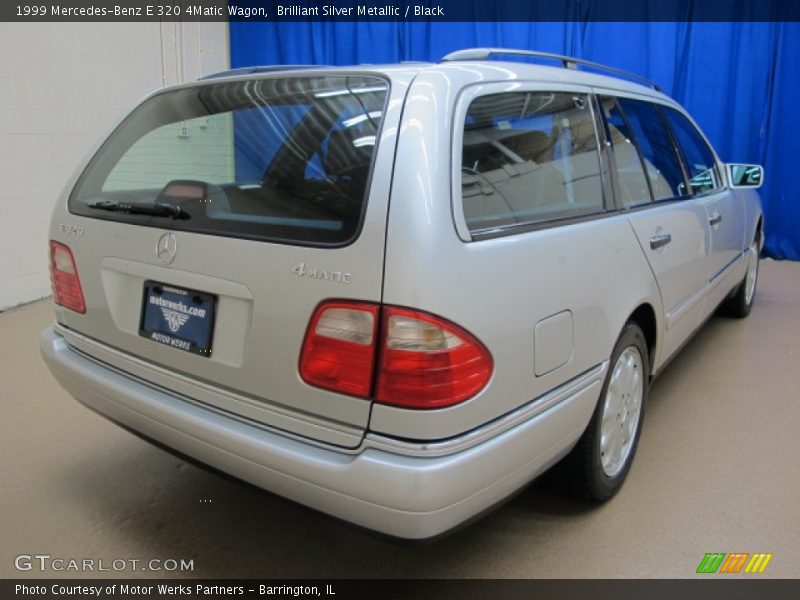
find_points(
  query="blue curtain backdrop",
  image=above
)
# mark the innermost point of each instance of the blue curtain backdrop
(740, 80)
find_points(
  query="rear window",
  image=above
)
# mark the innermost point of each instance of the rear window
(529, 158)
(285, 160)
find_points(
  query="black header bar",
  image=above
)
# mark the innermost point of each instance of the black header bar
(401, 10)
(421, 589)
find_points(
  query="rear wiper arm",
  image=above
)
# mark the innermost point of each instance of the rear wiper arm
(158, 209)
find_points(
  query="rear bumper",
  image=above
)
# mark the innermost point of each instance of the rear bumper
(405, 496)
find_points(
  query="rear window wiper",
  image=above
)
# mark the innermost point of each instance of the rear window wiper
(158, 209)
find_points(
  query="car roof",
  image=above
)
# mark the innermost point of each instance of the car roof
(475, 64)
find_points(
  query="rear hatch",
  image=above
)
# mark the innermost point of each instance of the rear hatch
(215, 219)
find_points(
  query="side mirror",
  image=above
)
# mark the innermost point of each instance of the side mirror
(745, 176)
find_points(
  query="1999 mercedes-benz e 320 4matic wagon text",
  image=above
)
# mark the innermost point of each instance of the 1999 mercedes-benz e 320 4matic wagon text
(397, 294)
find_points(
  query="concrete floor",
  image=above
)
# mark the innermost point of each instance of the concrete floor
(718, 469)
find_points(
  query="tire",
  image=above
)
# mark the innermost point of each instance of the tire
(741, 303)
(594, 469)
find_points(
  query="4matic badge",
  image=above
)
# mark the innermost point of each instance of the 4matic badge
(327, 275)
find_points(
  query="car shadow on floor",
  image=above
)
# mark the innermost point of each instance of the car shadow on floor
(143, 502)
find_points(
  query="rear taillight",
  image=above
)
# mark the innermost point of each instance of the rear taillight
(339, 349)
(428, 362)
(424, 361)
(64, 278)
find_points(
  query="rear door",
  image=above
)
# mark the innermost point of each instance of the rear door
(725, 214)
(217, 217)
(671, 228)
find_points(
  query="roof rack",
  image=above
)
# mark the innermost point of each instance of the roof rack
(568, 62)
(253, 70)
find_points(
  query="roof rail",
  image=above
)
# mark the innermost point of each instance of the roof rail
(254, 70)
(568, 62)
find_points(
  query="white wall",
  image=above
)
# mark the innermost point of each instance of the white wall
(62, 87)
(200, 148)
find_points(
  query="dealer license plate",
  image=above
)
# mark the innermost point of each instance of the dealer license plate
(178, 317)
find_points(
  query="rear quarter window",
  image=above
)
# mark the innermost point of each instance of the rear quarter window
(527, 158)
(634, 188)
(285, 160)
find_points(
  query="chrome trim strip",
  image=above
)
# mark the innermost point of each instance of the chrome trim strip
(719, 277)
(423, 449)
(252, 411)
(493, 428)
(685, 305)
(700, 293)
(267, 428)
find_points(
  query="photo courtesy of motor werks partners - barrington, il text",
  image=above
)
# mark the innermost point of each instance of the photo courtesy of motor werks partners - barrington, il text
(170, 590)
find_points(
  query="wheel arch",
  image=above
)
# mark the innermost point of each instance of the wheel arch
(645, 317)
(759, 232)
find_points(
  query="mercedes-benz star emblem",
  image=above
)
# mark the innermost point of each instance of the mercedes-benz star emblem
(167, 248)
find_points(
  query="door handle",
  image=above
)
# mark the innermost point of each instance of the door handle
(715, 219)
(659, 240)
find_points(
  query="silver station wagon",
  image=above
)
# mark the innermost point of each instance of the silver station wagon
(397, 294)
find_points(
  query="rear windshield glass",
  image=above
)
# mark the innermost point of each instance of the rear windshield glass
(284, 160)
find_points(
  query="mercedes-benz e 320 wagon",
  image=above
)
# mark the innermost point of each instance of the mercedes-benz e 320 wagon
(397, 294)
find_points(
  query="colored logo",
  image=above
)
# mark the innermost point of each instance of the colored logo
(735, 562)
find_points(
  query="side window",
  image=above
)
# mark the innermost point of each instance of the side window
(529, 158)
(630, 172)
(661, 163)
(699, 160)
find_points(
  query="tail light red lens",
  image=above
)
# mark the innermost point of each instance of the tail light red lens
(64, 278)
(339, 348)
(428, 362)
(424, 361)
